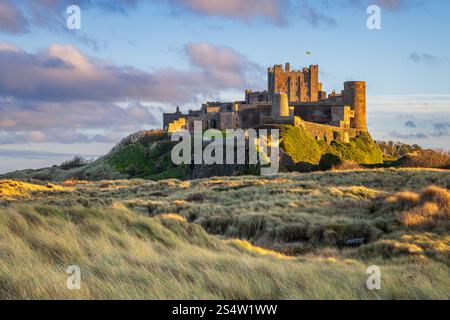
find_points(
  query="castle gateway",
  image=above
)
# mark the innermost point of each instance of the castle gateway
(292, 97)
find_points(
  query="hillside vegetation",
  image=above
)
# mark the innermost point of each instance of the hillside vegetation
(302, 147)
(147, 155)
(247, 237)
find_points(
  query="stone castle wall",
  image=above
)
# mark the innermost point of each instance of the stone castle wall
(329, 133)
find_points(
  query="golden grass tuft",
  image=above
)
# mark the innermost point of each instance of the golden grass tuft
(403, 200)
(354, 192)
(258, 250)
(18, 189)
(438, 195)
(172, 216)
(432, 209)
(73, 182)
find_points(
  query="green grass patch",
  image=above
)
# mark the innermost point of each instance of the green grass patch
(150, 161)
(302, 147)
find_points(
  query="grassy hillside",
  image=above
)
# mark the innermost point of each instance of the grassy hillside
(232, 238)
(150, 161)
(147, 155)
(302, 147)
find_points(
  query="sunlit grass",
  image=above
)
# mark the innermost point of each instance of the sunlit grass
(275, 237)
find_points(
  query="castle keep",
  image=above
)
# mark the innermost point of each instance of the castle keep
(292, 97)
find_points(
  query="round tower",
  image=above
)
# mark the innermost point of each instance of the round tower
(355, 97)
(280, 106)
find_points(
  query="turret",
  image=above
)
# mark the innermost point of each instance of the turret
(280, 106)
(355, 97)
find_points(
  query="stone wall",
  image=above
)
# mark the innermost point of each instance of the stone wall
(249, 116)
(329, 133)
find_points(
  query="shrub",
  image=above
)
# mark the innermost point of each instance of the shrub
(329, 161)
(76, 162)
(300, 145)
(397, 149)
(425, 159)
(361, 149)
(195, 197)
(347, 165)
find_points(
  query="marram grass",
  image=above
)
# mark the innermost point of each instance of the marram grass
(228, 238)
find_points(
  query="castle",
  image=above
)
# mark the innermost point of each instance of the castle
(293, 97)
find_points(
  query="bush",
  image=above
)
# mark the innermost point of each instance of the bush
(195, 197)
(76, 162)
(300, 145)
(347, 165)
(425, 159)
(329, 161)
(361, 149)
(397, 149)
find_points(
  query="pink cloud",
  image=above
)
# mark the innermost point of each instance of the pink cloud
(242, 9)
(11, 19)
(45, 95)
(63, 73)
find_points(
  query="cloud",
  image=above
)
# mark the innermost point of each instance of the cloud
(315, 18)
(426, 58)
(17, 17)
(16, 115)
(442, 129)
(50, 14)
(408, 136)
(11, 18)
(63, 73)
(31, 154)
(410, 124)
(391, 4)
(274, 11)
(61, 95)
(70, 122)
(245, 10)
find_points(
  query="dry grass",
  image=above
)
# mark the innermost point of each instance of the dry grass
(124, 255)
(248, 238)
(13, 189)
(72, 183)
(430, 209)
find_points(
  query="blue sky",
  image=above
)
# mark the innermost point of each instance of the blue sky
(80, 91)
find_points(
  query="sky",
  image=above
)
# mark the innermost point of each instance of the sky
(65, 92)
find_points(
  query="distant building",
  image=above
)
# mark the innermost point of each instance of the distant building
(292, 97)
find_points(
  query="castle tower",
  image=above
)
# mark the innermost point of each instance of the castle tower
(300, 85)
(280, 106)
(314, 83)
(355, 97)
